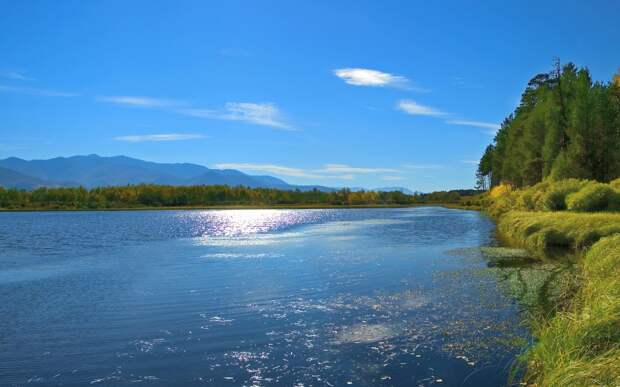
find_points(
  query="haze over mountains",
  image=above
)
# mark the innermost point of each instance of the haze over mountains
(96, 171)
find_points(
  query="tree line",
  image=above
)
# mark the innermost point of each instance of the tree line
(153, 196)
(566, 126)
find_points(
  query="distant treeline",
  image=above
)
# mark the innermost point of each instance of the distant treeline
(146, 195)
(566, 126)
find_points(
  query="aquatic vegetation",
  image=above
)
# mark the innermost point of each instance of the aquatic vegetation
(501, 252)
(365, 333)
(507, 257)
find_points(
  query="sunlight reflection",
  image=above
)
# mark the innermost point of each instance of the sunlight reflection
(227, 223)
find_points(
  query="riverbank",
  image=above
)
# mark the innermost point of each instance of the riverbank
(578, 344)
(237, 207)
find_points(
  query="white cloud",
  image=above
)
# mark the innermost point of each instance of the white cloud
(15, 75)
(414, 108)
(264, 114)
(138, 101)
(38, 92)
(392, 178)
(160, 137)
(258, 113)
(477, 124)
(368, 77)
(422, 166)
(329, 171)
(343, 168)
(269, 168)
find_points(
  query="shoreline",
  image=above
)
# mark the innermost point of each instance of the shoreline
(236, 207)
(243, 207)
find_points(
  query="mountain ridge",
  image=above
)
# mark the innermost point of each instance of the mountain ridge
(92, 171)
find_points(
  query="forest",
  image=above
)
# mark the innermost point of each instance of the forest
(566, 126)
(161, 196)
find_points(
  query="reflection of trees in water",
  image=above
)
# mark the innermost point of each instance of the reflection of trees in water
(541, 288)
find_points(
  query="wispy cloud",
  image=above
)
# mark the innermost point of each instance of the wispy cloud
(264, 114)
(15, 75)
(328, 171)
(138, 101)
(422, 166)
(471, 162)
(269, 168)
(343, 168)
(160, 137)
(374, 78)
(416, 109)
(477, 124)
(392, 178)
(37, 92)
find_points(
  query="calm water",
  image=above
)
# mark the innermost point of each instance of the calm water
(253, 297)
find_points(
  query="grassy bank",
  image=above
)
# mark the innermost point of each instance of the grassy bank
(579, 344)
(550, 232)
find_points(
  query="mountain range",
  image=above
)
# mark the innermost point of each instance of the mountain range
(96, 171)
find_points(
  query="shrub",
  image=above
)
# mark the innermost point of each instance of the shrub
(555, 197)
(615, 184)
(592, 197)
(500, 191)
(614, 201)
(531, 199)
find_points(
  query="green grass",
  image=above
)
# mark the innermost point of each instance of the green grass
(546, 232)
(581, 346)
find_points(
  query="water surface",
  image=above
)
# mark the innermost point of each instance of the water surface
(254, 297)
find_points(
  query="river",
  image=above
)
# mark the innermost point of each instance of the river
(328, 297)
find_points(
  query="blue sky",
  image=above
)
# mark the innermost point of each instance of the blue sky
(339, 93)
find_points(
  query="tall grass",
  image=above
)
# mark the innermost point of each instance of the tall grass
(544, 232)
(579, 345)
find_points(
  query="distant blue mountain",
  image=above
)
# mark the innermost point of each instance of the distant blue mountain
(96, 171)
(13, 179)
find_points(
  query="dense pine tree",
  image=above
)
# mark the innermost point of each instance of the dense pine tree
(565, 126)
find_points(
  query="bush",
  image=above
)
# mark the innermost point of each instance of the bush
(592, 197)
(615, 184)
(555, 197)
(531, 199)
(500, 191)
(614, 201)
